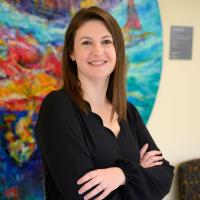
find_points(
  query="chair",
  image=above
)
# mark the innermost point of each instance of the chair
(189, 180)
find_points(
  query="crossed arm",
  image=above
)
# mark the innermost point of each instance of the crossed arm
(73, 175)
(109, 179)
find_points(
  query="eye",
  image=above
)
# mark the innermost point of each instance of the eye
(107, 42)
(87, 42)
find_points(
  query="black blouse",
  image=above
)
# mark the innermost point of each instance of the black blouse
(73, 143)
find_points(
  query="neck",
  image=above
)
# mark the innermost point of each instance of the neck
(94, 91)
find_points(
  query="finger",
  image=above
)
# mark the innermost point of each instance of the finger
(147, 165)
(151, 154)
(143, 150)
(104, 194)
(153, 159)
(155, 164)
(88, 185)
(94, 192)
(87, 177)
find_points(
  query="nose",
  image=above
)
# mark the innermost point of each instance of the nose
(97, 49)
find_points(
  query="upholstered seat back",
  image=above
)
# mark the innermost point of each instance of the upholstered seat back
(189, 180)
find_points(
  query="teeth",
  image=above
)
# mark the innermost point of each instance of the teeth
(97, 62)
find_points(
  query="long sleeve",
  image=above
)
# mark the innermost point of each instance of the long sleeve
(144, 183)
(61, 139)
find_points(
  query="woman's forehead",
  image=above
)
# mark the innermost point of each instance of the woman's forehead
(93, 27)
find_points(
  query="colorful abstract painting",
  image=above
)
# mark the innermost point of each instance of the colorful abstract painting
(31, 39)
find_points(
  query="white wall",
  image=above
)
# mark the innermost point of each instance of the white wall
(175, 120)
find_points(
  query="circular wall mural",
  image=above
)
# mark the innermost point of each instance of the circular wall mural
(31, 39)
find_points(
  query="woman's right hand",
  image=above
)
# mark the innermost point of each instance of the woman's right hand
(150, 158)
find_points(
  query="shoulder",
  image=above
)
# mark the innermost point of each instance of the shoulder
(130, 106)
(133, 114)
(58, 108)
(58, 103)
(131, 109)
(57, 98)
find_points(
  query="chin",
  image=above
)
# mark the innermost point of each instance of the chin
(100, 77)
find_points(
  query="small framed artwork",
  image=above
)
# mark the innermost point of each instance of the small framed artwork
(181, 42)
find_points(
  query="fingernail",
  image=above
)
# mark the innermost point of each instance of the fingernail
(79, 192)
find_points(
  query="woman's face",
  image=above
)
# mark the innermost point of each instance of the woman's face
(94, 51)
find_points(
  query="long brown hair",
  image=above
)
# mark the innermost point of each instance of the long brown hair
(116, 91)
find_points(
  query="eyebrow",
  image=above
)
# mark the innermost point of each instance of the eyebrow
(86, 37)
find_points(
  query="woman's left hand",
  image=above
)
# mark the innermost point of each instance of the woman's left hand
(106, 180)
(150, 158)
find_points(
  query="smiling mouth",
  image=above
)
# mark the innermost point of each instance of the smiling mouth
(97, 63)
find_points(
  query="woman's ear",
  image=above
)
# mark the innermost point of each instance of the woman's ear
(72, 56)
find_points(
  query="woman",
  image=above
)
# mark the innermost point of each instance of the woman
(94, 143)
